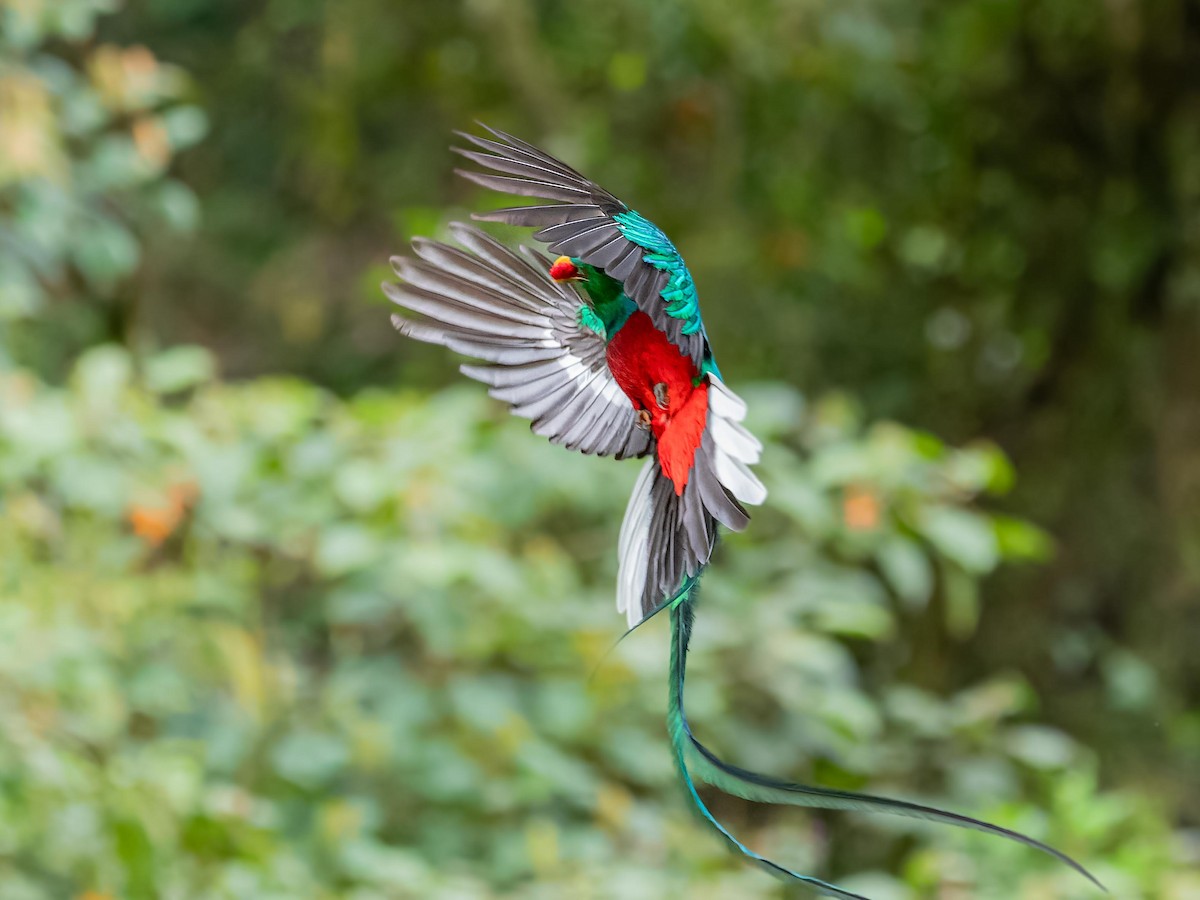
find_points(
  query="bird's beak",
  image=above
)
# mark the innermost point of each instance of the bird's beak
(565, 270)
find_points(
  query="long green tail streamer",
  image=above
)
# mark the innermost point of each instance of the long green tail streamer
(689, 752)
(682, 740)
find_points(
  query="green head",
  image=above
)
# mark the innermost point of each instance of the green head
(600, 288)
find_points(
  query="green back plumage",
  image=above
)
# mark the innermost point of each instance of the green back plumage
(680, 293)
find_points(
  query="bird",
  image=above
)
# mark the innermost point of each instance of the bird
(599, 342)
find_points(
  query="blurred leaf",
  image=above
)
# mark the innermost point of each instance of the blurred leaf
(185, 125)
(179, 368)
(1041, 747)
(20, 294)
(178, 206)
(309, 758)
(1132, 683)
(965, 537)
(1021, 540)
(344, 548)
(907, 570)
(106, 253)
(962, 602)
(101, 375)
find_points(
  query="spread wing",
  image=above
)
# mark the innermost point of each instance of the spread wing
(487, 302)
(589, 223)
(668, 537)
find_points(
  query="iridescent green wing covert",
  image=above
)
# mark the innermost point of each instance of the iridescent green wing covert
(588, 223)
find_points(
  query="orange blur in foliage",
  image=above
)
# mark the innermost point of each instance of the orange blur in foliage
(155, 523)
(861, 509)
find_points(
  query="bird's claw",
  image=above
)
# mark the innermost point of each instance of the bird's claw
(660, 395)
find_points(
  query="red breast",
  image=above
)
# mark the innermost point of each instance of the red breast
(640, 357)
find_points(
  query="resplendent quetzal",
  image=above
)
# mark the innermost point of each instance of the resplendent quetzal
(604, 350)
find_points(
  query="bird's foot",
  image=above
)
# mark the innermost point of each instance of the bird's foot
(660, 395)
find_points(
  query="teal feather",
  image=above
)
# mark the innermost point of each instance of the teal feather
(680, 294)
(588, 319)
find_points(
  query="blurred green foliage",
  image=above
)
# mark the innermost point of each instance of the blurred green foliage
(87, 138)
(307, 637)
(262, 642)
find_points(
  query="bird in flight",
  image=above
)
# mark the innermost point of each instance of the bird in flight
(601, 345)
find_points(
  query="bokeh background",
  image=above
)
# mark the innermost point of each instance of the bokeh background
(289, 611)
